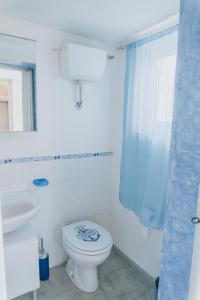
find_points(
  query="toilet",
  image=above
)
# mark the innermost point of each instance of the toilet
(88, 245)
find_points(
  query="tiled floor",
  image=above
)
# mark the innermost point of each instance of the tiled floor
(118, 281)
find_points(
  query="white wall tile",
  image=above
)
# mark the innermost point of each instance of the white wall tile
(4, 182)
(16, 176)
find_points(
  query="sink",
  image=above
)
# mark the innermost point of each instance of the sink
(18, 208)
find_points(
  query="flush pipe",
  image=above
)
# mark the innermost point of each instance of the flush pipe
(79, 88)
(79, 93)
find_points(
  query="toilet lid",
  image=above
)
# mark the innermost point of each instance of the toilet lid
(87, 236)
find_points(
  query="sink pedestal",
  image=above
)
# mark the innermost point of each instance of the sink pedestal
(21, 262)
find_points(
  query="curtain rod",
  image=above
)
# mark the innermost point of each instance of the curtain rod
(171, 21)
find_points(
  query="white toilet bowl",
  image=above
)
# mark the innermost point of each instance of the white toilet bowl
(88, 245)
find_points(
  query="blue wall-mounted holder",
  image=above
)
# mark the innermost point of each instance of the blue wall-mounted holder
(40, 182)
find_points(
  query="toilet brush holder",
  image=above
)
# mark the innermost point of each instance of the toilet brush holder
(43, 262)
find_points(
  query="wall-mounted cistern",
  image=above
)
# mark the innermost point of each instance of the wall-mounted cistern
(82, 64)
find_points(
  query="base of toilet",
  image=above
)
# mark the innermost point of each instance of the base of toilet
(84, 278)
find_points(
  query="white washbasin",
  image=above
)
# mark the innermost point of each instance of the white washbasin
(17, 208)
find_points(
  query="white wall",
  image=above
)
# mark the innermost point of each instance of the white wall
(2, 264)
(126, 227)
(77, 187)
(80, 187)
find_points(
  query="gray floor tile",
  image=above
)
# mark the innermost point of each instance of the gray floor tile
(57, 284)
(121, 284)
(113, 263)
(117, 282)
(151, 294)
(147, 280)
(136, 270)
(24, 297)
(76, 294)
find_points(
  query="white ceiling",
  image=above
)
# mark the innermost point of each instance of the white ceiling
(108, 20)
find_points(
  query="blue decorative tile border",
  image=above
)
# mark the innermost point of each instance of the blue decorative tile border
(53, 157)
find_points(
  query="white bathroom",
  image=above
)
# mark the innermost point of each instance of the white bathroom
(83, 199)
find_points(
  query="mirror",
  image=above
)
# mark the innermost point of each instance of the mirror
(17, 84)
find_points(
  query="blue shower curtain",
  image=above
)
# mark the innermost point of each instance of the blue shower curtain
(149, 94)
(184, 166)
